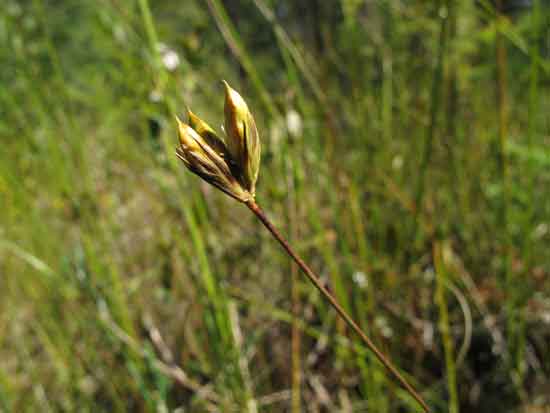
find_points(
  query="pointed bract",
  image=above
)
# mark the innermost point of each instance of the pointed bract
(207, 133)
(242, 137)
(187, 136)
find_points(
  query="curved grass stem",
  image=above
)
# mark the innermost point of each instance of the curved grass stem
(330, 298)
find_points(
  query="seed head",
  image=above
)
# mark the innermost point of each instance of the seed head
(232, 164)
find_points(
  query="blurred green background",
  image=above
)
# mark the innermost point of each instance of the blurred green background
(406, 153)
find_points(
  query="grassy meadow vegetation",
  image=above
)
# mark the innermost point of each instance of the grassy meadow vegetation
(405, 153)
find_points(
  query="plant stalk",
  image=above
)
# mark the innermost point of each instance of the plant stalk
(296, 397)
(322, 289)
(512, 308)
(431, 130)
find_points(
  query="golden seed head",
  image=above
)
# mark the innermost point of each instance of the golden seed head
(232, 164)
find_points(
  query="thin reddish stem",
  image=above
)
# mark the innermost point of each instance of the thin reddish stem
(326, 293)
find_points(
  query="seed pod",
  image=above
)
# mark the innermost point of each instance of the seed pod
(243, 141)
